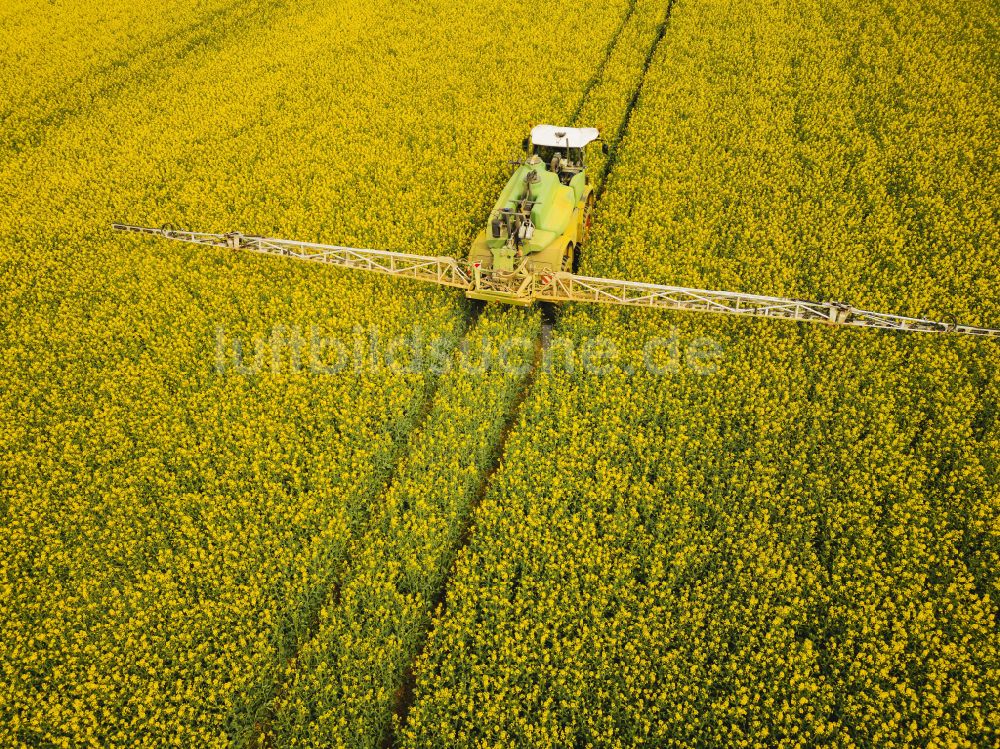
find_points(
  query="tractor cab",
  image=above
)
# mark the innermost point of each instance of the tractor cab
(566, 163)
(561, 149)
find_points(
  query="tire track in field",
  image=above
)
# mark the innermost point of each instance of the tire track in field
(22, 128)
(612, 159)
(262, 708)
(265, 707)
(106, 70)
(406, 694)
(599, 73)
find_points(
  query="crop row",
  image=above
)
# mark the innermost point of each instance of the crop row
(792, 541)
(345, 683)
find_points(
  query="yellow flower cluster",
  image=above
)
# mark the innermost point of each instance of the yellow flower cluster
(175, 512)
(798, 547)
(60, 58)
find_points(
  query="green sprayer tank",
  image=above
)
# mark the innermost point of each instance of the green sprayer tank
(542, 215)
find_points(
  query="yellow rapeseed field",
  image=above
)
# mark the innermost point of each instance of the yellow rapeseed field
(237, 512)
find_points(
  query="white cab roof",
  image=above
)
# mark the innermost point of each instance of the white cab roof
(563, 137)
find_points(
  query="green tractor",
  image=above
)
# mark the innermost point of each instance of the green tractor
(541, 218)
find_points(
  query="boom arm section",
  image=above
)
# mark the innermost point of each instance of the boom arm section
(524, 286)
(565, 287)
(440, 270)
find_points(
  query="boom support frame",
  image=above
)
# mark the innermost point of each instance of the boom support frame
(524, 287)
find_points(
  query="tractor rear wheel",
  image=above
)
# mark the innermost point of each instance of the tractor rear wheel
(569, 258)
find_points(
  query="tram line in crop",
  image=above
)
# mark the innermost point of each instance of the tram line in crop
(405, 694)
